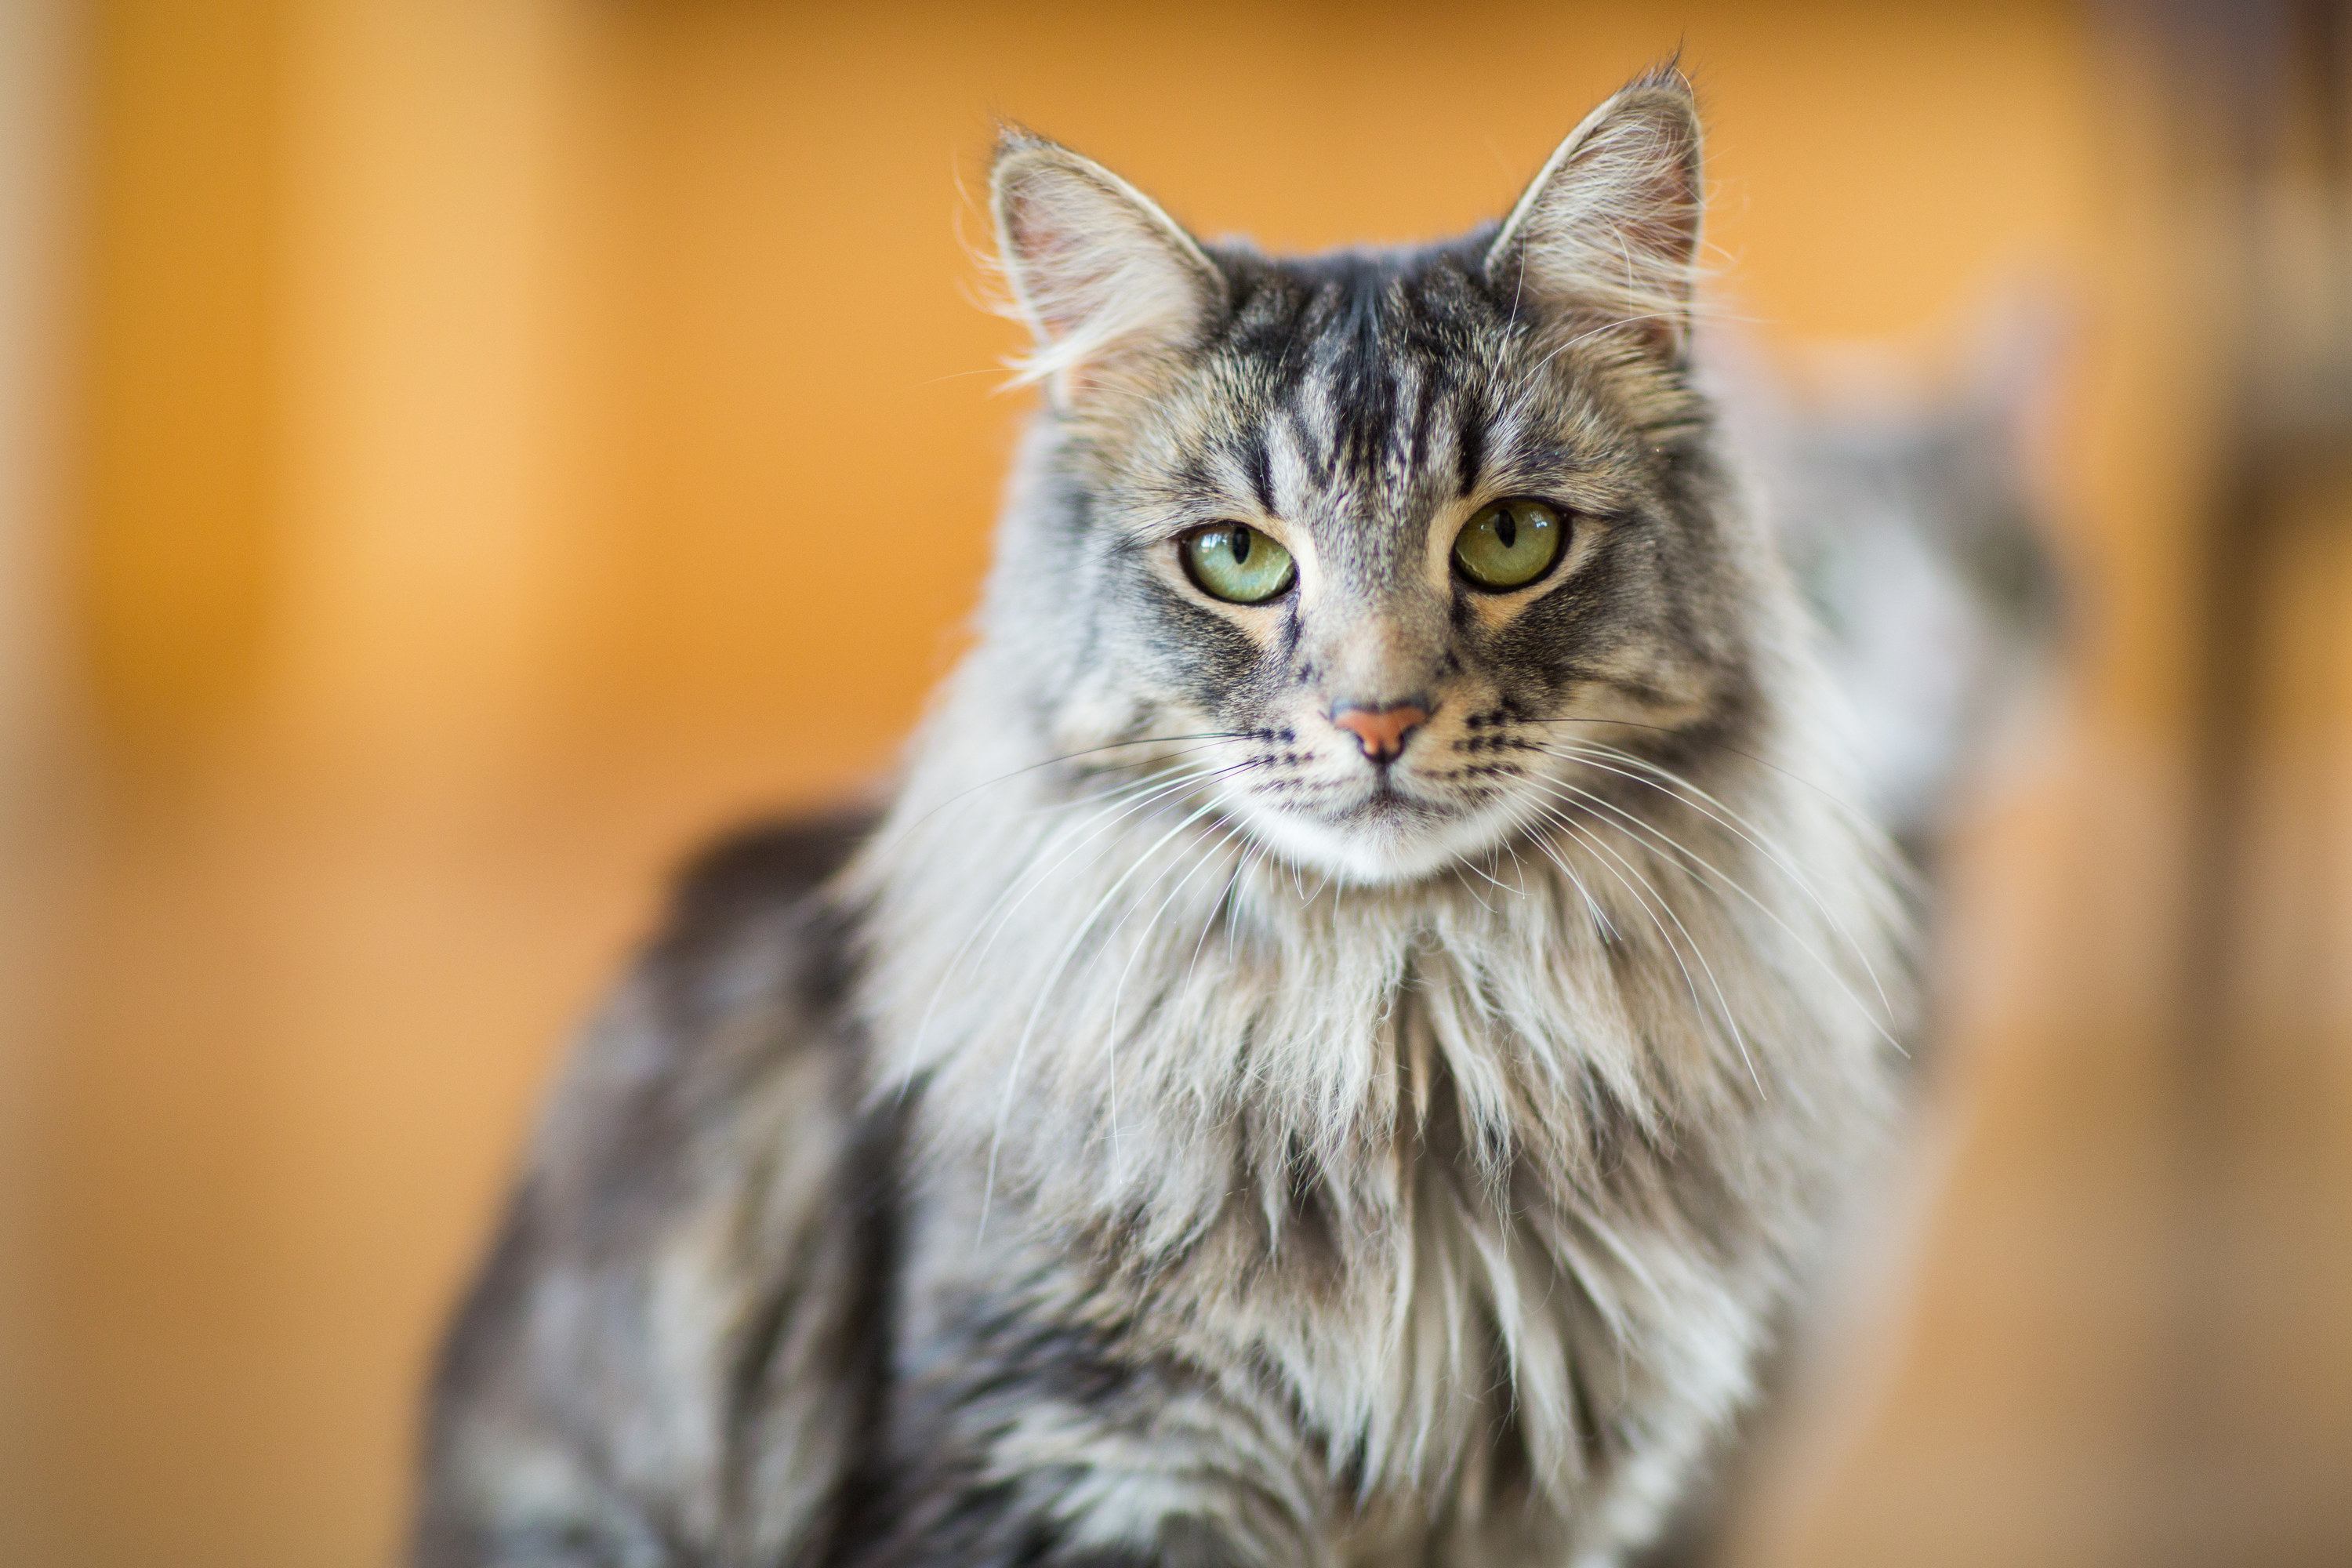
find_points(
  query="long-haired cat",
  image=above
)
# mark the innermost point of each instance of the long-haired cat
(1358, 1019)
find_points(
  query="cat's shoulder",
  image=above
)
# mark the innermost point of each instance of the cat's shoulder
(703, 1141)
(736, 1000)
(749, 906)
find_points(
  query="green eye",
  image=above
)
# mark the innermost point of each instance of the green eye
(1510, 543)
(1234, 561)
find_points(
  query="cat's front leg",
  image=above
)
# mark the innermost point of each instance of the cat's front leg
(1040, 1425)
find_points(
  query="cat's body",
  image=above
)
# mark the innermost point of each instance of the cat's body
(1338, 1060)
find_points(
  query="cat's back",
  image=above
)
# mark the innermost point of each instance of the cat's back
(667, 1341)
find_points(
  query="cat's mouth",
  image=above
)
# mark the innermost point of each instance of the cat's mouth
(1383, 832)
(1391, 804)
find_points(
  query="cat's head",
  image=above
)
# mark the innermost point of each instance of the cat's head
(1378, 542)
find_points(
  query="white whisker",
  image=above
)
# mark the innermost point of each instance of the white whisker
(1597, 753)
(1206, 856)
(1046, 991)
(1721, 1001)
(1032, 877)
(1700, 861)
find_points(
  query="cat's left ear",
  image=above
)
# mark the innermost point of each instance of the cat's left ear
(1608, 233)
(1108, 282)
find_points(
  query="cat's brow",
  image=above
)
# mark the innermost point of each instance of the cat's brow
(1470, 432)
(1257, 463)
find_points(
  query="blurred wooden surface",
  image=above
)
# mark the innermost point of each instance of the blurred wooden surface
(475, 405)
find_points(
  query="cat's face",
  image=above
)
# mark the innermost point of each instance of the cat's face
(1377, 543)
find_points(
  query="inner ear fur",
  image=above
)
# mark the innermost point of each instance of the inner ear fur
(1606, 237)
(1107, 281)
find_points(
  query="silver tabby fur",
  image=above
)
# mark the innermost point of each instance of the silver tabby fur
(1174, 1137)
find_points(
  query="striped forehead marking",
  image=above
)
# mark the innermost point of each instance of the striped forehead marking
(1361, 377)
(1365, 391)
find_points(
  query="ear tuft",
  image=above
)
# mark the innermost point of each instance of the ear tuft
(1607, 232)
(1108, 283)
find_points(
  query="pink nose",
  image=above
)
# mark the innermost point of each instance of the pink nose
(1380, 732)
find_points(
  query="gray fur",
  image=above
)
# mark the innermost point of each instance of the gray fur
(1175, 1139)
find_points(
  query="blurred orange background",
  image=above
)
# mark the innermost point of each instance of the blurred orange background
(437, 437)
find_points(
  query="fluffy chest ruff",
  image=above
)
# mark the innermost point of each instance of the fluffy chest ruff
(1483, 1191)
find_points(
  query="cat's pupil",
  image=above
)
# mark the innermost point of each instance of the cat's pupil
(1507, 527)
(1240, 545)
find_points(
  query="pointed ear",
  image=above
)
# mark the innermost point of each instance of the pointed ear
(1106, 279)
(1608, 233)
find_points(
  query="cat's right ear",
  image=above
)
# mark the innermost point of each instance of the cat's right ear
(1111, 287)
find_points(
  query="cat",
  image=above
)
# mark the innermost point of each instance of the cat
(1355, 1026)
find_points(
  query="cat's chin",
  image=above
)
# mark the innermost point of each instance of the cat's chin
(1381, 849)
